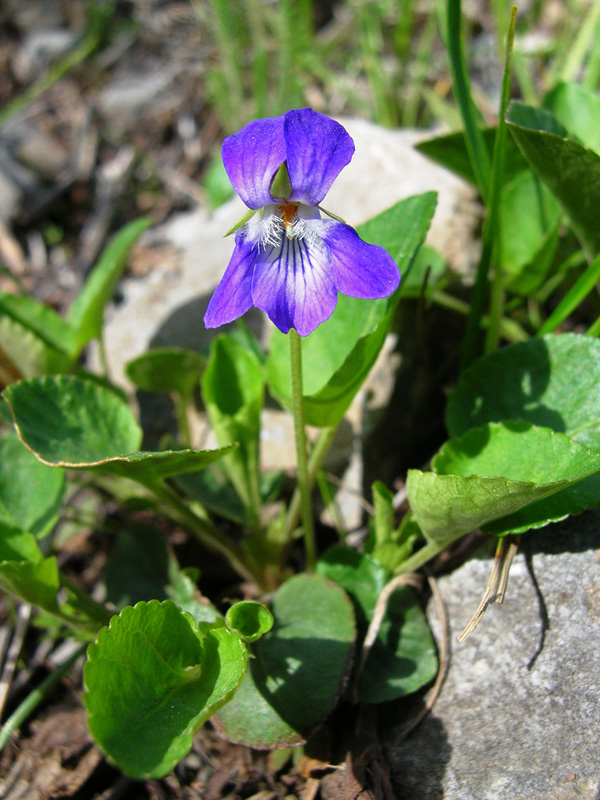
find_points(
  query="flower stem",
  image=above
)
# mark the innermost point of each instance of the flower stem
(315, 462)
(300, 434)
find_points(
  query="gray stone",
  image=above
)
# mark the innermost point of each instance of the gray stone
(505, 728)
(129, 95)
(39, 49)
(10, 198)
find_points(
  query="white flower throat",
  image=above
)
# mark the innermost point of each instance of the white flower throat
(282, 220)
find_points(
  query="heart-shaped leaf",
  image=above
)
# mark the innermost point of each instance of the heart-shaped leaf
(30, 492)
(337, 357)
(167, 369)
(299, 668)
(69, 422)
(552, 381)
(492, 472)
(403, 656)
(152, 680)
(569, 170)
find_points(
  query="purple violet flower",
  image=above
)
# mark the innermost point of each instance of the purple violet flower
(289, 262)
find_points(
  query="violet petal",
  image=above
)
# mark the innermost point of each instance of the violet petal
(233, 295)
(317, 149)
(252, 157)
(359, 269)
(293, 284)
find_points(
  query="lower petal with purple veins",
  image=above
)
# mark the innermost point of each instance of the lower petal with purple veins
(233, 295)
(293, 284)
(359, 269)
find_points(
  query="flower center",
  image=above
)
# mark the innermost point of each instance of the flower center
(288, 216)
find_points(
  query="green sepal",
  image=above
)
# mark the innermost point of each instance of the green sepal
(281, 185)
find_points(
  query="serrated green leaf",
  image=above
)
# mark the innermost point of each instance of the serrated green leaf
(151, 681)
(167, 369)
(337, 357)
(299, 667)
(86, 314)
(553, 381)
(492, 472)
(30, 493)
(233, 393)
(69, 422)
(569, 170)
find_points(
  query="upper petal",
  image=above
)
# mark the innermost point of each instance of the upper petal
(252, 157)
(317, 149)
(233, 295)
(293, 284)
(359, 269)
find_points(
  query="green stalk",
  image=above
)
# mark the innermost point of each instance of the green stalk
(573, 298)
(315, 462)
(497, 180)
(94, 610)
(418, 559)
(471, 344)
(476, 148)
(181, 414)
(509, 328)
(34, 698)
(204, 531)
(302, 461)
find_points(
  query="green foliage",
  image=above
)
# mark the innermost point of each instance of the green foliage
(167, 369)
(569, 170)
(450, 151)
(402, 659)
(233, 392)
(25, 572)
(553, 382)
(299, 667)
(37, 341)
(338, 356)
(249, 619)
(491, 472)
(152, 680)
(31, 493)
(388, 544)
(86, 313)
(69, 422)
